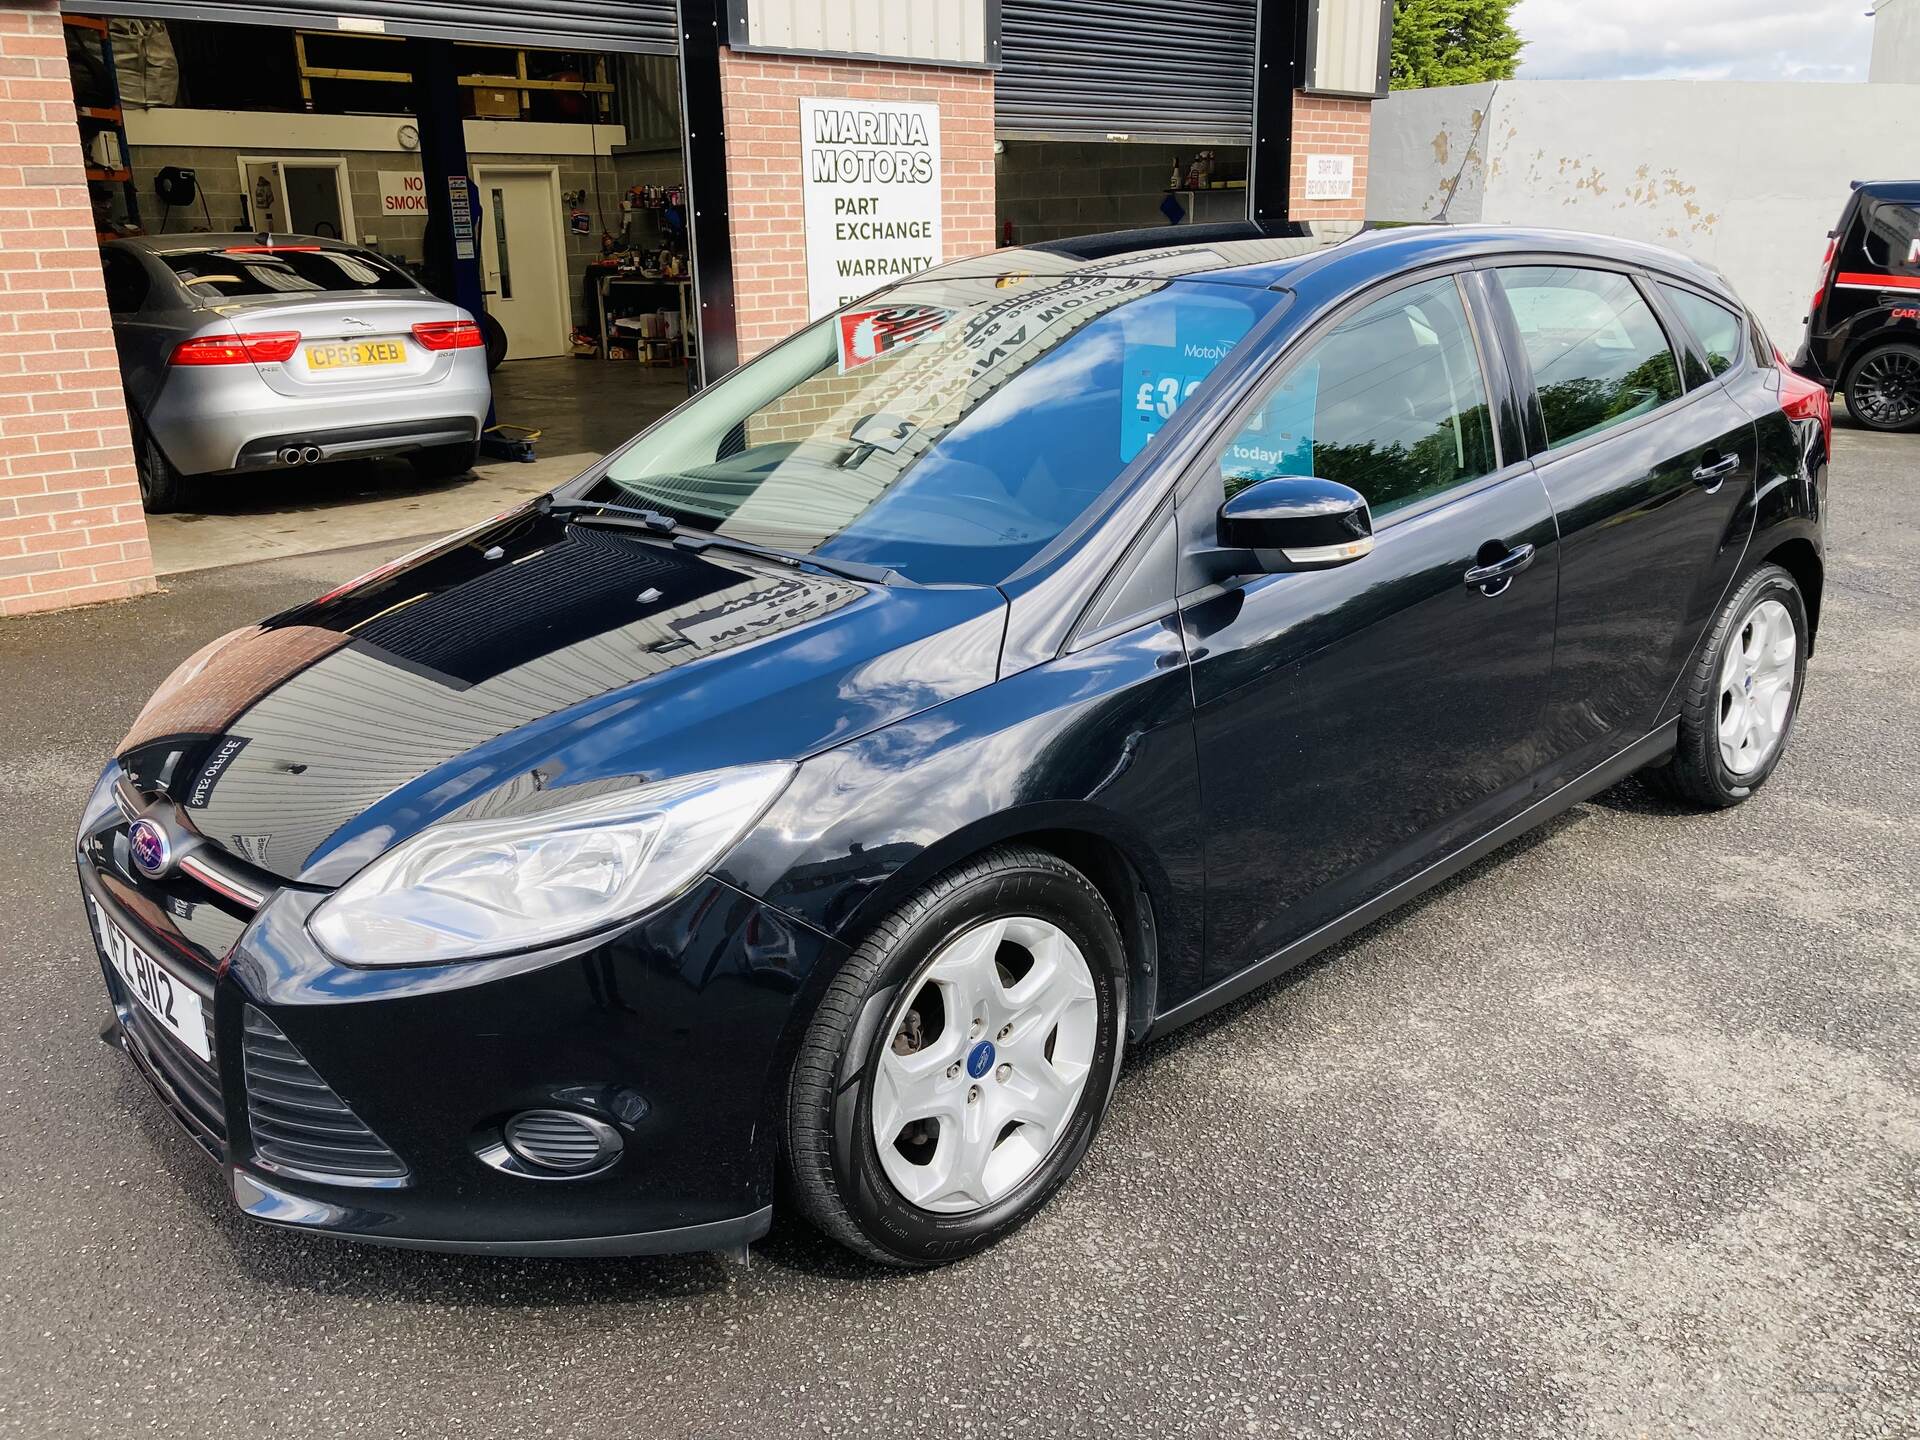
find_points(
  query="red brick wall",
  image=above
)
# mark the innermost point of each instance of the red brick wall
(762, 94)
(71, 527)
(1325, 126)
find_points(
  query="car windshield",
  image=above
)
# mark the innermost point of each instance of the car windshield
(947, 430)
(282, 270)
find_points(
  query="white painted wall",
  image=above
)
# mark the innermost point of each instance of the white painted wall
(1747, 177)
(1896, 44)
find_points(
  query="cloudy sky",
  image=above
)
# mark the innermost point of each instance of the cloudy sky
(1695, 39)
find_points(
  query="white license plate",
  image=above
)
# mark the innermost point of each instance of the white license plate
(160, 992)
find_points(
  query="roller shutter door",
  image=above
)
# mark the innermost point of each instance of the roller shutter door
(1178, 69)
(645, 26)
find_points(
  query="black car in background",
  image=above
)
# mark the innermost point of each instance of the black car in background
(1863, 328)
(1034, 656)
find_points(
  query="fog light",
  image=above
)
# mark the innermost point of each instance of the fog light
(561, 1142)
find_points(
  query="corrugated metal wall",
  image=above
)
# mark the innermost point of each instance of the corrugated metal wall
(645, 26)
(1172, 69)
(935, 31)
(1348, 44)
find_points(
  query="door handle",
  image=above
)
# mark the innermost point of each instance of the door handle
(1711, 474)
(1495, 578)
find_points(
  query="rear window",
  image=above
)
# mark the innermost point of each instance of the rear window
(1721, 333)
(283, 270)
(1886, 238)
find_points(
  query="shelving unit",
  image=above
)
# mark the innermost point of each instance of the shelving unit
(97, 120)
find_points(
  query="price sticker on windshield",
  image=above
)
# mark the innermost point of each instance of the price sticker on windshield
(1161, 374)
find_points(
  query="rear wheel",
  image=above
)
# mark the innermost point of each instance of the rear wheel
(162, 488)
(1741, 696)
(1883, 388)
(445, 462)
(960, 1062)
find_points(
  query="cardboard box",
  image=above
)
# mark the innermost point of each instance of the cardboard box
(497, 104)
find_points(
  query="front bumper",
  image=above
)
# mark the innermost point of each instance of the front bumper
(675, 1032)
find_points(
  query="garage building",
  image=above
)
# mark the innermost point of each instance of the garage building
(618, 181)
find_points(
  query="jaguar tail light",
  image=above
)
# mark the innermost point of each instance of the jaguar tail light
(270, 346)
(448, 335)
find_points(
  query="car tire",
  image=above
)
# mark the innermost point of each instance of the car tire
(162, 488)
(1883, 388)
(445, 462)
(1742, 695)
(908, 983)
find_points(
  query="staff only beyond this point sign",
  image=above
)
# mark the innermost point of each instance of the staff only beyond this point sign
(870, 186)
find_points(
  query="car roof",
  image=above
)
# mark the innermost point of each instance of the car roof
(1903, 192)
(1275, 257)
(194, 243)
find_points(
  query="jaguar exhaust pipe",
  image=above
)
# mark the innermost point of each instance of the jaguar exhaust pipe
(292, 455)
(309, 454)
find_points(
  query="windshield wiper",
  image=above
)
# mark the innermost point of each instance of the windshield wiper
(694, 540)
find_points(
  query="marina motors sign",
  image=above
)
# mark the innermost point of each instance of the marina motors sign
(870, 190)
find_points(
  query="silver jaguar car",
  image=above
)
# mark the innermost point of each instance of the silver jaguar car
(252, 353)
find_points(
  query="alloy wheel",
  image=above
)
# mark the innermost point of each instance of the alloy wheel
(1756, 687)
(987, 1057)
(1886, 389)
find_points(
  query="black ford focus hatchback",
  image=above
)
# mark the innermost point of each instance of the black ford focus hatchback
(836, 781)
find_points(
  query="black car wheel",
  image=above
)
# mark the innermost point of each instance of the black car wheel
(960, 1062)
(1883, 388)
(162, 488)
(445, 462)
(1742, 695)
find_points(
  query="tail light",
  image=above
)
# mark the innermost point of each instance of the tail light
(265, 347)
(448, 335)
(1826, 274)
(1804, 399)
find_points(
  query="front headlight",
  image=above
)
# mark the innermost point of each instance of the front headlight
(470, 889)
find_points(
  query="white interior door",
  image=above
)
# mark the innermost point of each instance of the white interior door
(266, 193)
(524, 274)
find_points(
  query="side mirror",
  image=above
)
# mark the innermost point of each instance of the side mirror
(1296, 522)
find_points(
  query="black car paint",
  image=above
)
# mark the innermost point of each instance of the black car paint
(1249, 767)
(1851, 316)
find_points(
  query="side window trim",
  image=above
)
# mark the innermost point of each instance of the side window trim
(1656, 286)
(1543, 451)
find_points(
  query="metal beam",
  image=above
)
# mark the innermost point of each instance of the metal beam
(1280, 61)
(709, 235)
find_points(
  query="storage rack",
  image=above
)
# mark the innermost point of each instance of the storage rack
(95, 120)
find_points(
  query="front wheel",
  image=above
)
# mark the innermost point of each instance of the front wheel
(1883, 388)
(1742, 694)
(960, 1062)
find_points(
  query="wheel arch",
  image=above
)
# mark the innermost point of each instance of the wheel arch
(1091, 840)
(1798, 557)
(1887, 333)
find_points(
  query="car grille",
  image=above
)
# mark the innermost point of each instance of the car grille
(189, 1085)
(300, 1127)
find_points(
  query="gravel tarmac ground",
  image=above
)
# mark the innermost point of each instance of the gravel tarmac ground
(1617, 1134)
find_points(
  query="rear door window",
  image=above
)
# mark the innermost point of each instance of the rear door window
(1599, 356)
(1721, 332)
(282, 270)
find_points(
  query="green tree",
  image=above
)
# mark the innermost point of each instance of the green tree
(1453, 42)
